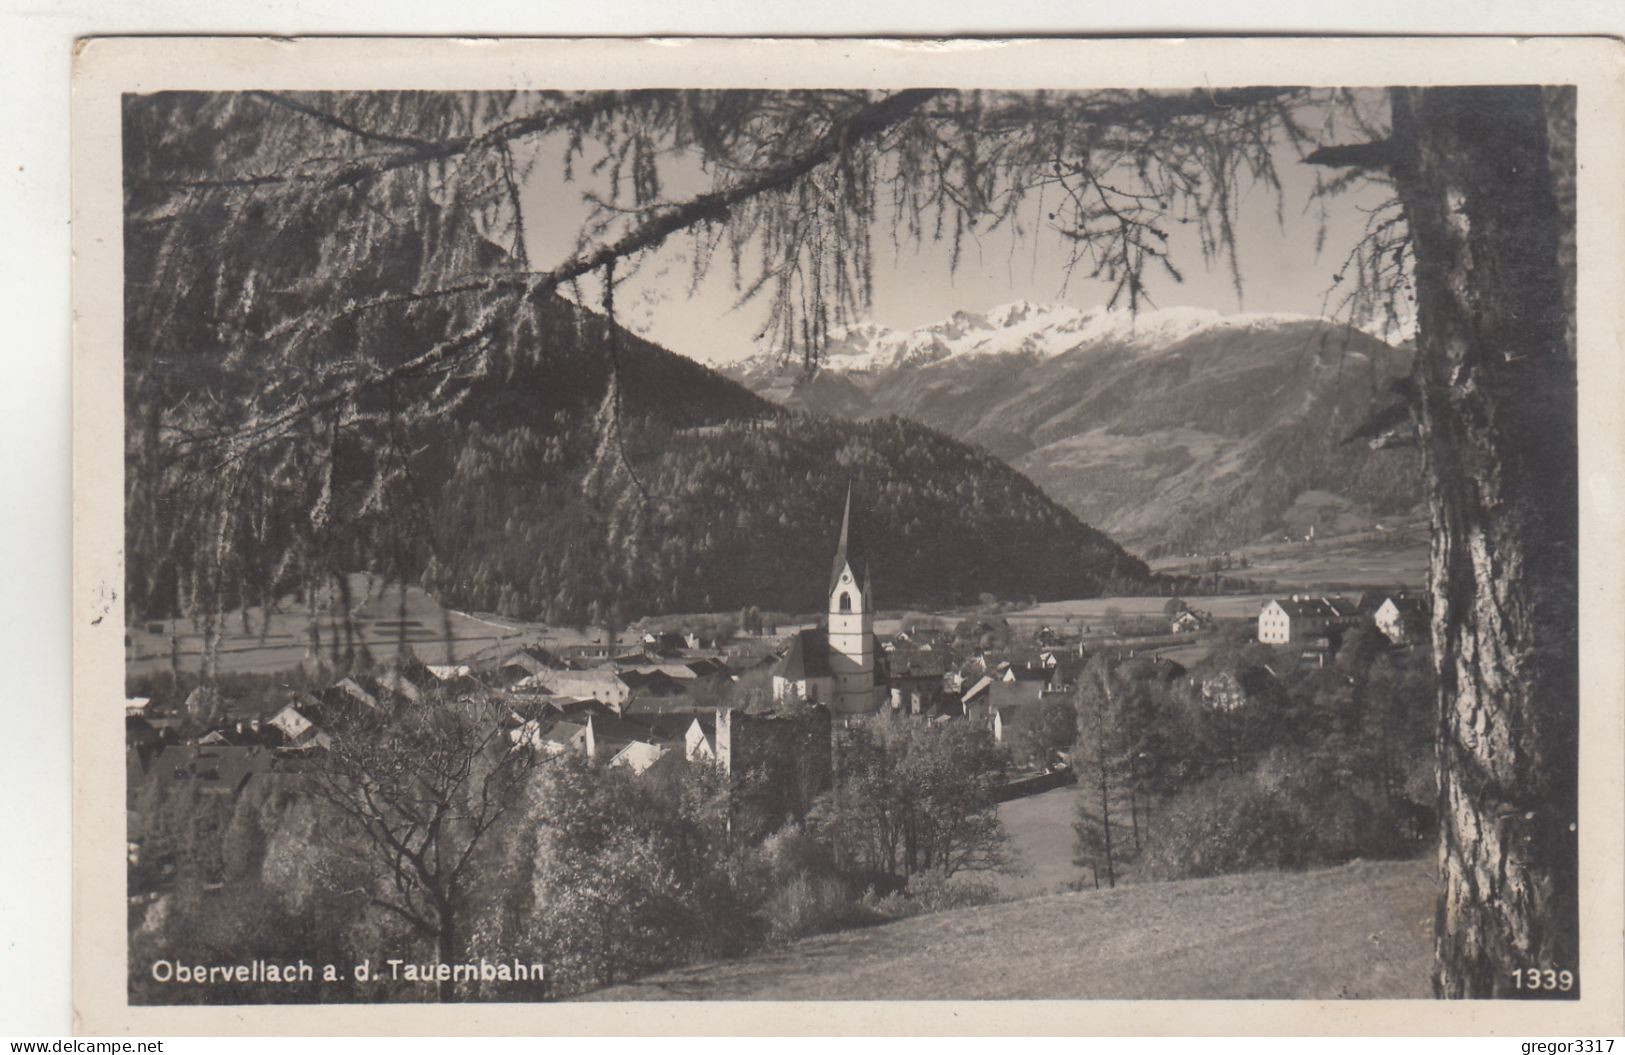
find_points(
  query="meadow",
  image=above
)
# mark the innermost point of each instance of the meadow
(1363, 930)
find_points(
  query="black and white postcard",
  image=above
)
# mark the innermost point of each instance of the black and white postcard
(743, 535)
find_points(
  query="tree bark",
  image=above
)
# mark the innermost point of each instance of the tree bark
(1495, 373)
(448, 950)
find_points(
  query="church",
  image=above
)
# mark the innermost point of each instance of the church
(835, 664)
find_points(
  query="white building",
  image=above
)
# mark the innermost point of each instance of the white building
(1291, 619)
(1402, 619)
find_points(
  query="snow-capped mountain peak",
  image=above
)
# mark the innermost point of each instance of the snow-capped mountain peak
(1024, 327)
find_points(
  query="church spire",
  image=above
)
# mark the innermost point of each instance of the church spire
(849, 550)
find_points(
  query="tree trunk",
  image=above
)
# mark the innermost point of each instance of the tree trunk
(1495, 376)
(446, 946)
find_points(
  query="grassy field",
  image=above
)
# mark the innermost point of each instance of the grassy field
(1372, 557)
(381, 618)
(1092, 610)
(1360, 931)
(1040, 830)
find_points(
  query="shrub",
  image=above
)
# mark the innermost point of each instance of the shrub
(933, 891)
(1228, 824)
(802, 904)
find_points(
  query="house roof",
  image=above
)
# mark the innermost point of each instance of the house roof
(977, 689)
(706, 666)
(1408, 604)
(563, 732)
(1004, 694)
(536, 653)
(676, 726)
(808, 656)
(655, 681)
(1318, 607)
(913, 663)
(850, 551)
(221, 768)
(622, 730)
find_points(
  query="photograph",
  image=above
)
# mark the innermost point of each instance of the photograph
(905, 536)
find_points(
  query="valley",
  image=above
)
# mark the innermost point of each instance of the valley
(1172, 431)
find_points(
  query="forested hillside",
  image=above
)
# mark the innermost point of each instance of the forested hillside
(535, 496)
(708, 497)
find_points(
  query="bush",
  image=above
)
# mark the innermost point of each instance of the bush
(1228, 824)
(803, 904)
(796, 887)
(932, 891)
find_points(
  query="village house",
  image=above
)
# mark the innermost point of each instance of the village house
(637, 755)
(533, 659)
(975, 700)
(588, 652)
(1189, 621)
(1402, 619)
(552, 738)
(915, 679)
(1007, 699)
(803, 673)
(700, 740)
(1229, 690)
(603, 684)
(1290, 620)
(297, 729)
(1023, 668)
(665, 641)
(213, 768)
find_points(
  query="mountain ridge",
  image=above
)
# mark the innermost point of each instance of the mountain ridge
(1171, 430)
(702, 496)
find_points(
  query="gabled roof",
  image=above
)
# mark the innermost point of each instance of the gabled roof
(654, 681)
(624, 731)
(1028, 672)
(808, 656)
(850, 551)
(982, 686)
(566, 733)
(1408, 604)
(915, 663)
(676, 726)
(1318, 607)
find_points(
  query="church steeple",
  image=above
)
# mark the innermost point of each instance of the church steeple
(851, 622)
(849, 551)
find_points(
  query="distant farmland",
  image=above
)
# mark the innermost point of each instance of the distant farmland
(381, 619)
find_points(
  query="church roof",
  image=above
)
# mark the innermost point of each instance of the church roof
(808, 656)
(850, 550)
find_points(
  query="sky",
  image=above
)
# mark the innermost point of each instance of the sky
(1281, 269)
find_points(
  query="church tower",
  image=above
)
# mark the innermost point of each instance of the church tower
(851, 624)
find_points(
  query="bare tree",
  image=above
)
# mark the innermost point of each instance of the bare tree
(419, 793)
